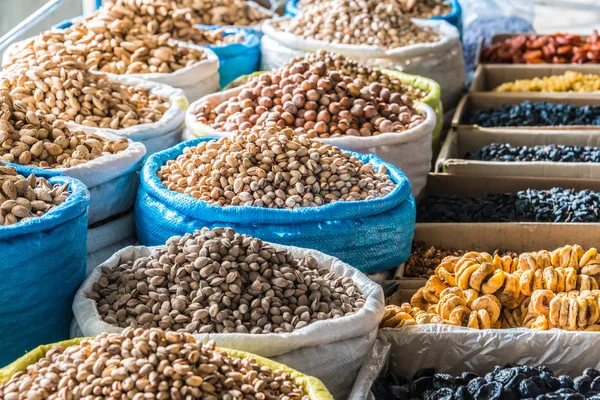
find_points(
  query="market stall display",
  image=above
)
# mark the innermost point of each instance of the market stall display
(375, 193)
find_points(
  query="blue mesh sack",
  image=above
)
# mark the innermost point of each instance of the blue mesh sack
(236, 59)
(42, 265)
(370, 235)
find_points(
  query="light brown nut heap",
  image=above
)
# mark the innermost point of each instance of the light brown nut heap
(226, 12)
(273, 168)
(61, 88)
(142, 364)
(27, 138)
(221, 281)
(316, 100)
(92, 44)
(215, 37)
(358, 22)
(22, 198)
(411, 8)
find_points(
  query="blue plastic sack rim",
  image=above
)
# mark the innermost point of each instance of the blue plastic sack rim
(188, 205)
(72, 208)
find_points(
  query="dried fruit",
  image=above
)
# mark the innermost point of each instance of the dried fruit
(221, 281)
(140, 364)
(570, 81)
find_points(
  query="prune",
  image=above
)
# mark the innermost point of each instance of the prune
(489, 391)
(591, 372)
(582, 384)
(506, 375)
(595, 386)
(565, 381)
(438, 394)
(475, 384)
(419, 386)
(443, 381)
(462, 393)
(552, 384)
(570, 394)
(529, 388)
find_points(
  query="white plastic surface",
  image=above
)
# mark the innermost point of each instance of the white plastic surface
(454, 350)
(111, 179)
(331, 350)
(374, 364)
(409, 150)
(441, 61)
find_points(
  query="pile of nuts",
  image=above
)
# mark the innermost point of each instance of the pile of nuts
(570, 81)
(272, 168)
(93, 44)
(314, 100)
(558, 48)
(220, 281)
(22, 198)
(61, 88)
(142, 364)
(537, 290)
(411, 8)
(27, 138)
(550, 152)
(227, 12)
(214, 37)
(534, 114)
(358, 22)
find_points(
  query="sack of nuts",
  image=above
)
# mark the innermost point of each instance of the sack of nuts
(335, 100)
(372, 33)
(43, 226)
(195, 371)
(154, 58)
(61, 88)
(107, 164)
(296, 306)
(352, 206)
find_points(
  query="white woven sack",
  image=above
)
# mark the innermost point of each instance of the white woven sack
(196, 80)
(112, 179)
(105, 239)
(409, 150)
(453, 350)
(441, 61)
(331, 350)
(371, 369)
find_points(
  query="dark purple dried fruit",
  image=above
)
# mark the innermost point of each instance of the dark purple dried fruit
(489, 391)
(552, 384)
(565, 381)
(529, 388)
(462, 394)
(582, 384)
(475, 384)
(443, 381)
(591, 372)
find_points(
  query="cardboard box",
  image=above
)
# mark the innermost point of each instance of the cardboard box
(487, 100)
(458, 143)
(488, 77)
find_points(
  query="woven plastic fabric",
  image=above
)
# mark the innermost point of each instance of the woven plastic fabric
(42, 264)
(236, 59)
(359, 233)
(454, 17)
(314, 387)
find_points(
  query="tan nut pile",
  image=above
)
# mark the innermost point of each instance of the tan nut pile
(27, 138)
(61, 88)
(221, 281)
(226, 12)
(22, 198)
(411, 8)
(148, 364)
(95, 46)
(358, 22)
(273, 168)
(315, 100)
